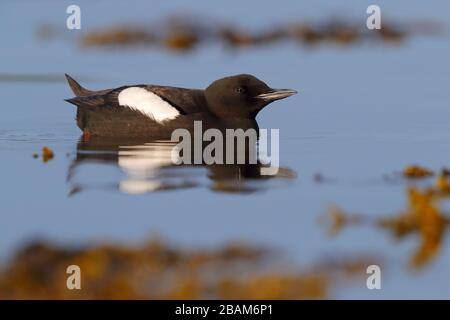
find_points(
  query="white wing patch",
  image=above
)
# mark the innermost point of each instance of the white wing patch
(148, 103)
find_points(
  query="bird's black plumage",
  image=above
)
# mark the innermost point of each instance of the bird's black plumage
(155, 111)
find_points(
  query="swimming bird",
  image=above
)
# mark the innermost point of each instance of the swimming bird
(154, 111)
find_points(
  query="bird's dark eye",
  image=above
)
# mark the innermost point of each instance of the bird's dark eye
(240, 90)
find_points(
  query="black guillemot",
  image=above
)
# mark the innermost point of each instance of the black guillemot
(154, 111)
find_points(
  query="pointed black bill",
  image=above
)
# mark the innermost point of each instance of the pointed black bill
(276, 94)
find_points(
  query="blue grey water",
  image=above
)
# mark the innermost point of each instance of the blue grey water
(362, 112)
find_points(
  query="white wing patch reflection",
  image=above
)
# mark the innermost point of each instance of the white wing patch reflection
(149, 167)
(142, 165)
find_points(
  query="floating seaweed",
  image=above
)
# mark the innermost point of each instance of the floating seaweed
(181, 41)
(118, 36)
(340, 219)
(422, 216)
(417, 172)
(390, 33)
(46, 153)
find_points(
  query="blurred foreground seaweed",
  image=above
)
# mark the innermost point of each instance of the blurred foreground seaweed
(183, 34)
(156, 270)
(423, 216)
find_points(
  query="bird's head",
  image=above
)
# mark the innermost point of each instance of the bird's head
(241, 96)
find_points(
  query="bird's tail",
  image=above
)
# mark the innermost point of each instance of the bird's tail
(77, 89)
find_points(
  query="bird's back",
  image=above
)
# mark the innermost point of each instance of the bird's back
(137, 110)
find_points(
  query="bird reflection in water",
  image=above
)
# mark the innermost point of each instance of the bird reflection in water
(148, 167)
